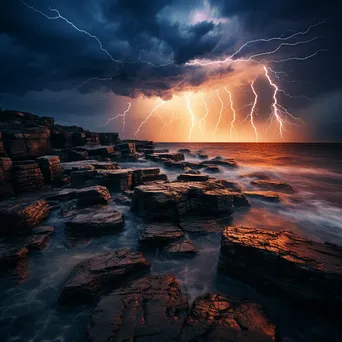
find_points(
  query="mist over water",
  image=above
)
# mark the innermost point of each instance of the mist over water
(29, 309)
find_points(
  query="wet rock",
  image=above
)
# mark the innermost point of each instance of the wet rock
(202, 156)
(6, 187)
(284, 264)
(225, 162)
(256, 175)
(214, 317)
(184, 150)
(19, 217)
(240, 200)
(170, 201)
(46, 230)
(94, 221)
(108, 138)
(151, 309)
(34, 242)
(98, 272)
(63, 195)
(143, 176)
(98, 151)
(114, 180)
(181, 248)
(92, 195)
(89, 165)
(212, 169)
(69, 209)
(192, 172)
(122, 200)
(231, 185)
(22, 141)
(27, 176)
(201, 225)
(167, 156)
(11, 256)
(157, 234)
(273, 185)
(192, 178)
(51, 168)
(268, 196)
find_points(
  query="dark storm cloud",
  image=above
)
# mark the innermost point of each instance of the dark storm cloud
(49, 54)
(39, 54)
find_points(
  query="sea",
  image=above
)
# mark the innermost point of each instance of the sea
(29, 309)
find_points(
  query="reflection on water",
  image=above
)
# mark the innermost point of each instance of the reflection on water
(29, 309)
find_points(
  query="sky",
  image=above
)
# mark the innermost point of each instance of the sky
(175, 70)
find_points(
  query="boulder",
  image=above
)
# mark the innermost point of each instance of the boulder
(122, 200)
(203, 225)
(94, 221)
(192, 172)
(284, 264)
(184, 150)
(98, 151)
(268, 196)
(12, 256)
(167, 156)
(51, 168)
(114, 180)
(92, 195)
(202, 156)
(212, 169)
(214, 317)
(24, 142)
(89, 165)
(192, 178)
(27, 176)
(256, 175)
(231, 185)
(170, 201)
(108, 138)
(240, 200)
(62, 195)
(30, 242)
(225, 162)
(181, 248)
(6, 187)
(143, 176)
(156, 234)
(151, 309)
(45, 230)
(109, 269)
(273, 185)
(19, 217)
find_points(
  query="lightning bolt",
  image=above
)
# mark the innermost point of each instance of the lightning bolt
(148, 117)
(202, 121)
(59, 16)
(283, 40)
(123, 115)
(192, 116)
(221, 110)
(275, 106)
(251, 114)
(232, 127)
(91, 79)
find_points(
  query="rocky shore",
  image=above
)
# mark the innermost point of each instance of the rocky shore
(86, 179)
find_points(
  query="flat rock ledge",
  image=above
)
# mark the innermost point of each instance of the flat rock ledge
(18, 218)
(273, 185)
(105, 270)
(268, 196)
(156, 234)
(93, 195)
(183, 248)
(284, 263)
(214, 317)
(170, 201)
(94, 221)
(151, 309)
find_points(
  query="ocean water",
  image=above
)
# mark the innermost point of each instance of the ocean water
(29, 310)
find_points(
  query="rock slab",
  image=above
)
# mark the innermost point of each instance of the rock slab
(214, 317)
(109, 269)
(151, 309)
(284, 263)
